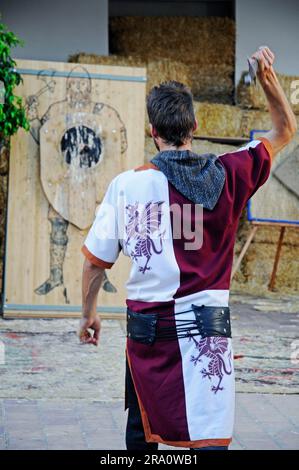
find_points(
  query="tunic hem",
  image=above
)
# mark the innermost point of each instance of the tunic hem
(150, 437)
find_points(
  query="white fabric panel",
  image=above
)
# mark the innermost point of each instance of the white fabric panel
(207, 364)
(162, 279)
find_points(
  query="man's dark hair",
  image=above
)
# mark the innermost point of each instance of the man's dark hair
(170, 111)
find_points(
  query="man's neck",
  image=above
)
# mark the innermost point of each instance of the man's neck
(164, 147)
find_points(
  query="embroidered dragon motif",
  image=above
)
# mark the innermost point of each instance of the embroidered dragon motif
(143, 222)
(213, 348)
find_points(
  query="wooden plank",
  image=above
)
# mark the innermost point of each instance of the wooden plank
(12, 314)
(223, 140)
(33, 225)
(277, 255)
(275, 224)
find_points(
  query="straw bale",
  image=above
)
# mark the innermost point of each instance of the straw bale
(254, 119)
(192, 40)
(214, 83)
(198, 146)
(219, 120)
(158, 71)
(230, 121)
(126, 61)
(255, 271)
(254, 97)
(162, 70)
(205, 146)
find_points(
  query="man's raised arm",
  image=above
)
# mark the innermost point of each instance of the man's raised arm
(284, 123)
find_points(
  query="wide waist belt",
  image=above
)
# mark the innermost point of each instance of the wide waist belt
(206, 322)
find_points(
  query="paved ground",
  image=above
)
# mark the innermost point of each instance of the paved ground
(262, 422)
(55, 393)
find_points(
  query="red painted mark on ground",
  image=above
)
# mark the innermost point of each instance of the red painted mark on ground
(40, 368)
(238, 356)
(13, 335)
(273, 377)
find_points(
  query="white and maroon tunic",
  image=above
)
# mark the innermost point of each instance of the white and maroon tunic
(185, 387)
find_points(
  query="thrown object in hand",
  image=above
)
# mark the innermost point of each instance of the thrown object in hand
(250, 77)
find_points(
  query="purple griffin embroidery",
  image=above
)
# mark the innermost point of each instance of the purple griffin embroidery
(214, 349)
(142, 223)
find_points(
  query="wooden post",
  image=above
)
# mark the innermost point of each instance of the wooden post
(277, 255)
(244, 249)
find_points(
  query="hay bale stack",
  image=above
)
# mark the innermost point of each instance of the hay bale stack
(192, 40)
(162, 70)
(213, 83)
(219, 120)
(206, 45)
(158, 71)
(253, 97)
(229, 121)
(255, 271)
(254, 119)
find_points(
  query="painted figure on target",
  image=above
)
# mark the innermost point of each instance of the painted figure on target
(80, 142)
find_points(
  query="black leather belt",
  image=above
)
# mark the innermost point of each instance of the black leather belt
(209, 321)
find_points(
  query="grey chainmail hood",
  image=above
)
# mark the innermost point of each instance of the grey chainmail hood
(200, 178)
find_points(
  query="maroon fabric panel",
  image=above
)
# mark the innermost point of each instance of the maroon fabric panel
(246, 171)
(158, 377)
(209, 267)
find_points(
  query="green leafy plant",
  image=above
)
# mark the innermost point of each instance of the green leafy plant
(12, 110)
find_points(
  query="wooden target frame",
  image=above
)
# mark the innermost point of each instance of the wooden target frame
(43, 259)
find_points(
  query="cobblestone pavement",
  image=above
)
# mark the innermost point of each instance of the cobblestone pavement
(56, 393)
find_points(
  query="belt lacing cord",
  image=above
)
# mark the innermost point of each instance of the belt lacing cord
(183, 330)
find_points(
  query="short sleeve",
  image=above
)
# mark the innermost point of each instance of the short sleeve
(102, 245)
(248, 168)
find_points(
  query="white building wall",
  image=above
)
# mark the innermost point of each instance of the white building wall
(54, 29)
(274, 23)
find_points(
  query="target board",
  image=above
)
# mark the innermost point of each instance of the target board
(277, 201)
(86, 126)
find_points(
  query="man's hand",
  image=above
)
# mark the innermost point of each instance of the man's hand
(87, 324)
(265, 58)
(284, 123)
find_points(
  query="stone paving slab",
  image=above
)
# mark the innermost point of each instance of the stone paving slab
(262, 422)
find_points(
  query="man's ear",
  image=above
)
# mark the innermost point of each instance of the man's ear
(195, 125)
(154, 132)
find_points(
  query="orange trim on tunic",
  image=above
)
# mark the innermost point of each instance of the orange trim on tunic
(268, 146)
(94, 260)
(150, 437)
(147, 166)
